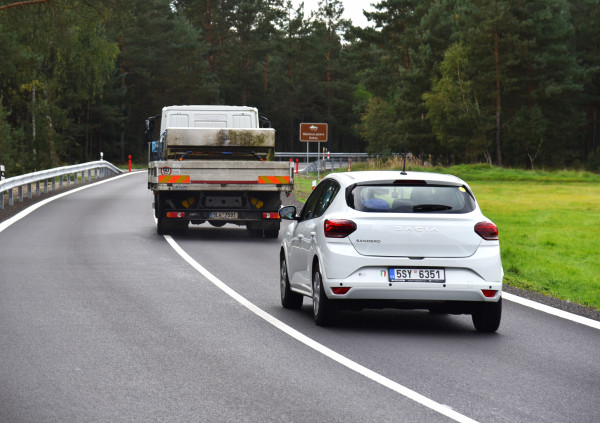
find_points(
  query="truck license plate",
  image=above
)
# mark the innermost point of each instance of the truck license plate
(417, 275)
(223, 215)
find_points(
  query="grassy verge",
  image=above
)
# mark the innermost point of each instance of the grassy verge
(303, 187)
(549, 225)
(549, 236)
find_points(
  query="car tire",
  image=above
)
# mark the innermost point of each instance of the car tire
(323, 309)
(289, 299)
(486, 318)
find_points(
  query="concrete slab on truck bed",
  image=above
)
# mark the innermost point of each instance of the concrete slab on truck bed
(217, 137)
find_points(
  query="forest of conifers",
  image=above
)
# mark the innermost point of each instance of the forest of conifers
(509, 82)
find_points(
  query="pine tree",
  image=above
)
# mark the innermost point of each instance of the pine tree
(522, 49)
(407, 45)
(454, 110)
(63, 65)
(585, 18)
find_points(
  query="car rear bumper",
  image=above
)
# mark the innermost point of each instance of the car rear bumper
(412, 291)
(449, 307)
(466, 278)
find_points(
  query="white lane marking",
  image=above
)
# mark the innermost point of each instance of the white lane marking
(33, 207)
(352, 365)
(551, 310)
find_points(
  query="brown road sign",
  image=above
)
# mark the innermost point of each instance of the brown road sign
(313, 132)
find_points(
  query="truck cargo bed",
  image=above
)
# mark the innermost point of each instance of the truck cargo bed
(220, 174)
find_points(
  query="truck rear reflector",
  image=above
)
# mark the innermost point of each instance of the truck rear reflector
(173, 179)
(273, 179)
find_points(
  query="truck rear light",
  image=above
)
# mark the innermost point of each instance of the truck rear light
(338, 228)
(274, 215)
(175, 215)
(487, 230)
(340, 290)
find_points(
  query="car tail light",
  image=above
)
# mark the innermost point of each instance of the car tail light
(175, 215)
(489, 293)
(340, 290)
(272, 215)
(339, 228)
(487, 230)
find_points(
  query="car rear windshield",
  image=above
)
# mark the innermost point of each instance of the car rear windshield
(395, 198)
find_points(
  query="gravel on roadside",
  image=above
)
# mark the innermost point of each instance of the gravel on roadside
(589, 312)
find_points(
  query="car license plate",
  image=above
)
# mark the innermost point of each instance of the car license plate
(410, 274)
(223, 215)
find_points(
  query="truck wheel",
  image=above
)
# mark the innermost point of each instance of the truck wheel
(157, 205)
(252, 231)
(158, 212)
(160, 226)
(165, 226)
(272, 230)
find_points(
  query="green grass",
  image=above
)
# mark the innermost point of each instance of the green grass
(549, 236)
(303, 187)
(549, 224)
(485, 172)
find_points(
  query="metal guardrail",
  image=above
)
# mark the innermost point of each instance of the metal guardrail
(332, 160)
(312, 167)
(100, 169)
(313, 155)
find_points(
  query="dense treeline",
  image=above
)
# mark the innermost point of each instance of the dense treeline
(510, 82)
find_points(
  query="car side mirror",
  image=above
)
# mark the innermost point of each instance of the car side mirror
(288, 213)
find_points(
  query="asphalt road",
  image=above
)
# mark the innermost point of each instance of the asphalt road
(101, 319)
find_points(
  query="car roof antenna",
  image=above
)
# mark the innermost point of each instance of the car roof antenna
(404, 166)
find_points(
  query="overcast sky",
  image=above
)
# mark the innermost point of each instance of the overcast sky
(352, 9)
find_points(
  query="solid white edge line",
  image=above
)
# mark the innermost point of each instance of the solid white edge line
(33, 207)
(551, 310)
(376, 377)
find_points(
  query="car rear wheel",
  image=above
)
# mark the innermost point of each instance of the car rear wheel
(323, 309)
(486, 317)
(289, 299)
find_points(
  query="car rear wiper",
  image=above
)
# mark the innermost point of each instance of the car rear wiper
(430, 207)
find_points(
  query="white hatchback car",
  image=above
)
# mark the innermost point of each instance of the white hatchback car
(385, 239)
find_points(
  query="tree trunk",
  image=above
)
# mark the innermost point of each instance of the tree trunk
(87, 148)
(267, 74)
(498, 97)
